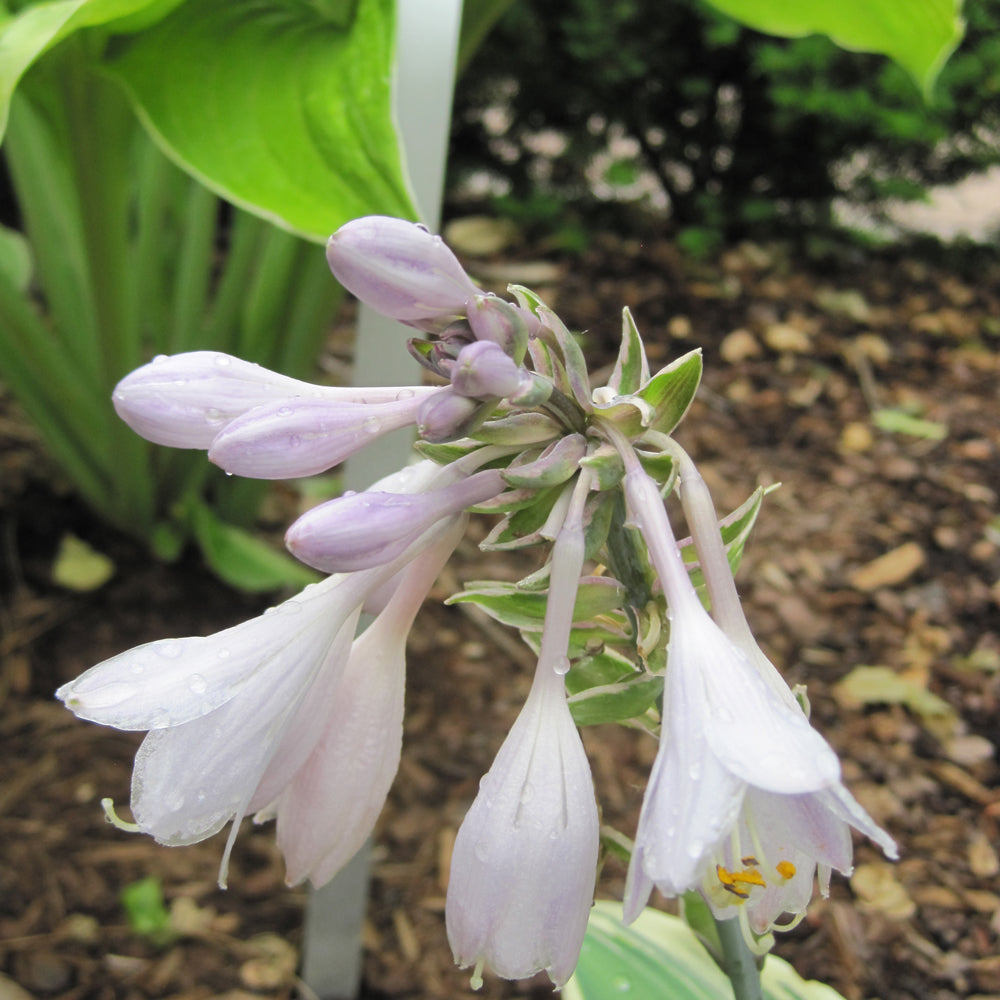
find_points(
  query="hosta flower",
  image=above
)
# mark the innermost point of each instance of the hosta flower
(401, 270)
(366, 529)
(524, 862)
(744, 800)
(483, 370)
(328, 809)
(525, 858)
(234, 716)
(301, 437)
(187, 400)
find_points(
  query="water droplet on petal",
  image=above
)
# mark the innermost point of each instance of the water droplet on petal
(622, 985)
(169, 650)
(695, 849)
(197, 684)
(223, 654)
(561, 666)
(372, 425)
(223, 360)
(482, 849)
(404, 394)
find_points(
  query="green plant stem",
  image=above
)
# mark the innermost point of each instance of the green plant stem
(738, 961)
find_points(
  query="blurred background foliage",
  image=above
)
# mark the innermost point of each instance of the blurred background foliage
(738, 132)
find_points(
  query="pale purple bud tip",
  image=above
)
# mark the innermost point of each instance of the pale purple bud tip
(448, 416)
(503, 323)
(362, 530)
(483, 371)
(183, 401)
(401, 270)
(301, 437)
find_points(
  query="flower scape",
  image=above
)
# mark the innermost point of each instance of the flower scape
(297, 716)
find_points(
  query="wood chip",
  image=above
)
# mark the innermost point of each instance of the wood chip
(889, 569)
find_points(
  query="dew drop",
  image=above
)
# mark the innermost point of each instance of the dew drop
(695, 849)
(284, 411)
(372, 425)
(561, 666)
(169, 650)
(622, 985)
(694, 772)
(481, 850)
(223, 654)
(223, 360)
(404, 394)
(197, 684)
(527, 792)
(214, 416)
(159, 358)
(138, 668)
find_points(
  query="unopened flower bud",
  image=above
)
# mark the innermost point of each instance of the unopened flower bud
(496, 320)
(482, 370)
(302, 436)
(401, 270)
(448, 416)
(363, 530)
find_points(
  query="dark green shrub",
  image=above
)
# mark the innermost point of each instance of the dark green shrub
(739, 129)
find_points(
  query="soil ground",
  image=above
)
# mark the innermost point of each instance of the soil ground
(881, 548)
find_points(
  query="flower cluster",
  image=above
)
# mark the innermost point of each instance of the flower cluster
(294, 716)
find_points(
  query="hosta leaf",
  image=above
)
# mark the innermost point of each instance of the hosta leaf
(631, 368)
(619, 702)
(30, 33)
(275, 105)
(917, 34)
(606, 667)
(659, 956)
(525, 609)
(670, 391)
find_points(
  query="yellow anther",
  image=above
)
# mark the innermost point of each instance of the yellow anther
(785, 869)
(749, 877)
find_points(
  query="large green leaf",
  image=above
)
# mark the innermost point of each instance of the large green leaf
(917, 34)
(275, 105)
(658, 956)
(27, 35)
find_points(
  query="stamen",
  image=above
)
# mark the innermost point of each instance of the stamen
(741, 893)
(749, 860)
(785, 869)
(749, 877)
(476, 982)
(108, 805)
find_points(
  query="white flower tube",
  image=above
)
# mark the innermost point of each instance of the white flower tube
(744, 800)
(524, 863)
(186, 400)
(328, 809)
(234, 716)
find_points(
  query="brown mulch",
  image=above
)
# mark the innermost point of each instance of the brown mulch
(880, 549)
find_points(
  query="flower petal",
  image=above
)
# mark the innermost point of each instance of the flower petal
(524, 861)
(171, 682)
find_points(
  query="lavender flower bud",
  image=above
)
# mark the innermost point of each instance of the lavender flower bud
(401, 270)
(493, 319)
(482, 370)
(301, 437)
(448, 416)
(363, 530)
